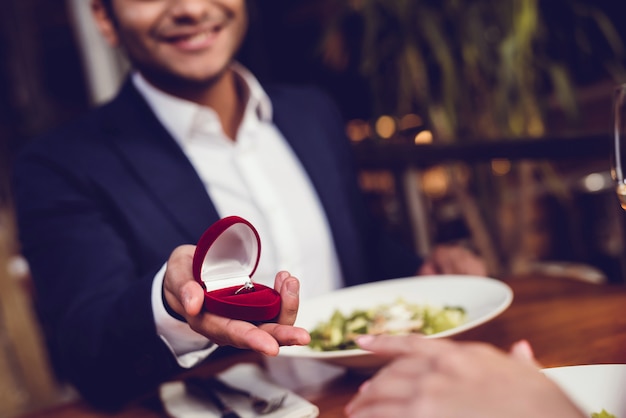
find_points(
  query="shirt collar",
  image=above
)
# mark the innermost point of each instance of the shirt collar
(180, 116)
(258, 100)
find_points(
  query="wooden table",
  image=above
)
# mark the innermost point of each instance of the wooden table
(567, 322)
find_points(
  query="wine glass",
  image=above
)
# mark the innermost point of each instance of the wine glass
(619, 144)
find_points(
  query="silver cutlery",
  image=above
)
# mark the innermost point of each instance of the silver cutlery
(211, 388)
(260, 405)
(198, 388)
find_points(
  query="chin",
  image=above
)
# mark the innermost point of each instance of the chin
(203, 80)
(199, 73)
(183, 78)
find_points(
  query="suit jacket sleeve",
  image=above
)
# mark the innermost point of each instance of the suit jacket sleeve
(95, 231)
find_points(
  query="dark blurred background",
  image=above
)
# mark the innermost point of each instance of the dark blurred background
(526, 185)
(43, 83)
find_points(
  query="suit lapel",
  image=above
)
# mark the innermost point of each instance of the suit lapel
(308, 137)
(154, 157)
(303, 137)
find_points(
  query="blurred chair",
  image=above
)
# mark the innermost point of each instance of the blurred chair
(104, 67)
(26, 378)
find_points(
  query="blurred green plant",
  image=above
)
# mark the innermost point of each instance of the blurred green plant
(481, 69)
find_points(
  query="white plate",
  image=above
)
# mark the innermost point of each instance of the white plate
(483, 299)
(594, 386)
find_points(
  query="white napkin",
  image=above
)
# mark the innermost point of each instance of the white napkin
(247, 376)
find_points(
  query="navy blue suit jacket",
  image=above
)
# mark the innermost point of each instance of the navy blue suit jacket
(101, 204)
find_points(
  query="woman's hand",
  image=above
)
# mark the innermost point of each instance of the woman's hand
(435, 378)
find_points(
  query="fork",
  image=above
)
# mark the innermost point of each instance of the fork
(260, 405)
(199, 388)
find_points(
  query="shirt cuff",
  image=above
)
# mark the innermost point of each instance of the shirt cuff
(189, 347)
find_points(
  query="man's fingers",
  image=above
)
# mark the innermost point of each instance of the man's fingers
(287, 334)
(280, 279)
(241, 334)
(290, 300)
(427, 269)
(447, 259)
(192, 298)
(188, 296)
(264, 338)
(180, 288)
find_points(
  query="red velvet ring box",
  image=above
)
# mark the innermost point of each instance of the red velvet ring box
(225, 259)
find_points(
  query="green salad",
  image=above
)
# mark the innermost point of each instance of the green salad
(400, 317)
(602, 414)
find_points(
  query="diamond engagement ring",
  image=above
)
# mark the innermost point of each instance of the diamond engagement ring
(247, 287)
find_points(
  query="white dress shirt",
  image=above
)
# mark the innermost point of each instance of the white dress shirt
(259, 178)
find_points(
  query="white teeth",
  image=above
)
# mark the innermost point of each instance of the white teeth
(197, 39)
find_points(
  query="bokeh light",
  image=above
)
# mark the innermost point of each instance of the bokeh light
(358, 130)
(500, 166)
(385, 126)
(410, 121)
(424, 137)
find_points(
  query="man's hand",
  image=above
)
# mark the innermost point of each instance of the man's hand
(186, 297)
(449, 259)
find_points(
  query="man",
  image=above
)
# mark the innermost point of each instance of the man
(107, 206)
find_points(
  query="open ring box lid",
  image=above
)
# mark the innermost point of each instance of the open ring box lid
(225, 259)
